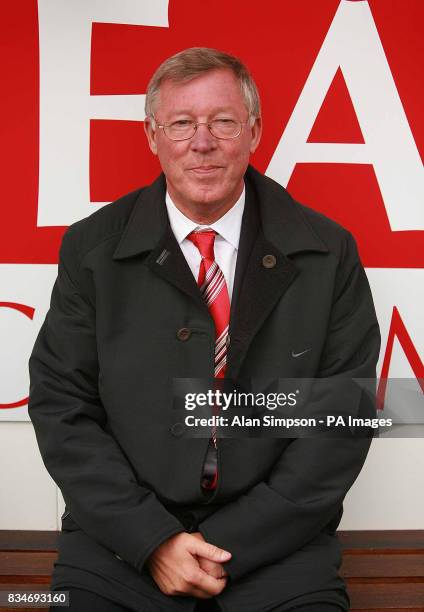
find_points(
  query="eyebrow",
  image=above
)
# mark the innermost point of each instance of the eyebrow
(220, 109)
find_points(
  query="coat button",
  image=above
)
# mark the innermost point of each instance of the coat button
(177, 429)
(183, 334)
(269, 261)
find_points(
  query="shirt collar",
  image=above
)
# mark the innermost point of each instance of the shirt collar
(228, 226)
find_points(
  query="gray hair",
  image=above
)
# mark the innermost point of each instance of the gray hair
(190, 63)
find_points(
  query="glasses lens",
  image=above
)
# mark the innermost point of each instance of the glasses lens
(225, 128)
(180, 130)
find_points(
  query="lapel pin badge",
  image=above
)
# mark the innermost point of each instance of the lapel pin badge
(162, 257)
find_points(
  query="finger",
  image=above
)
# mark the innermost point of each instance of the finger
(216, 573)
(214, 569)
(199, 594)
(196, 578)
(196, 592)
(208, 551)
(203, 581)
(208, 566)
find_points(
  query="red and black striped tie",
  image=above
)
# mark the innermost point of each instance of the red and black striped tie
(214, 290)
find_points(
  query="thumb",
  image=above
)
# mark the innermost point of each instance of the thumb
(208, 551)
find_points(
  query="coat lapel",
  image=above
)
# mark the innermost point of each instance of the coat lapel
(273, 228)
(168, 261)
(148, 230)
(261, 289)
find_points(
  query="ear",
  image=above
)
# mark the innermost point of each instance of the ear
(151, 135)
(256, 130)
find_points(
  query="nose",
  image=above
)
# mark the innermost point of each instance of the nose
(203, 140)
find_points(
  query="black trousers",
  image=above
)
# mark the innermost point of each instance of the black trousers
(81, 600)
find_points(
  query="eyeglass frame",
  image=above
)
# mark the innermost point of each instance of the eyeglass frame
(196, 125)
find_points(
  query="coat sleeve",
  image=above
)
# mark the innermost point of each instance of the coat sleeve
(304, 491)
(86, 462)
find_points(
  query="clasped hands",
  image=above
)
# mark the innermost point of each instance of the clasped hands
(185, 564)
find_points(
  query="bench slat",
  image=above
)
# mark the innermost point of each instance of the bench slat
(382, 565)
(387, 596)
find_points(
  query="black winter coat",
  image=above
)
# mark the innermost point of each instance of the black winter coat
(101, 375)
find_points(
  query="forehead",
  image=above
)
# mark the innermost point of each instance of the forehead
(215, 90)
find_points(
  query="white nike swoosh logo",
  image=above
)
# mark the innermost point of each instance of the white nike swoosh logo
(302, 353)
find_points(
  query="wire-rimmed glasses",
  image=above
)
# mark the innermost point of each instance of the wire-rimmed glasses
(184, 129)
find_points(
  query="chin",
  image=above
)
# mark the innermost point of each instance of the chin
(207, 197)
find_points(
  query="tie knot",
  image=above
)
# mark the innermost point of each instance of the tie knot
(204, 240)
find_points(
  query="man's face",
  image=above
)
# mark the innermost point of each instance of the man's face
(203, 172)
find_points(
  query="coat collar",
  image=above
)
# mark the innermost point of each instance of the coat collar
(282, 220)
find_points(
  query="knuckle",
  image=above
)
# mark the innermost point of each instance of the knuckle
(206, 565)
(222, 586)
(189, 576)
(167, 590)
(174, 587)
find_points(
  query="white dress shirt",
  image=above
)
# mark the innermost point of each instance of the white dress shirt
(226, 241)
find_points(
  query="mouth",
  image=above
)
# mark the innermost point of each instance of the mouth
(205, 170)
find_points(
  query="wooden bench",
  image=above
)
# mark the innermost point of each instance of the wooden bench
(384, 570)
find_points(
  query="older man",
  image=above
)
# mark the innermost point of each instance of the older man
(213, 271)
